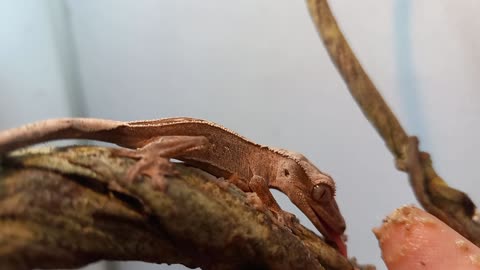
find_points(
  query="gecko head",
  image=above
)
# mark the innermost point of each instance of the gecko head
(327, 217)
(314, 194)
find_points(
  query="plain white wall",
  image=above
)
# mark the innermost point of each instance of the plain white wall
(259, 68)
(30, 80)
(34, 76)
(446, 39)
(255, 67)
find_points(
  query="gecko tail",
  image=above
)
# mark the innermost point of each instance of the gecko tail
(57, 129)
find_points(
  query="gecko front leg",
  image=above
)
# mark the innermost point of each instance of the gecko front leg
(260, 186)
(153, 158)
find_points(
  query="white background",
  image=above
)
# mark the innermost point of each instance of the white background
(258, 67)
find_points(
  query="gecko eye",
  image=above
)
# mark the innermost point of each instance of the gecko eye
(322, 193)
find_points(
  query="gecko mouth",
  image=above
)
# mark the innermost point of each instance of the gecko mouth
(336, 240)
(332, 236)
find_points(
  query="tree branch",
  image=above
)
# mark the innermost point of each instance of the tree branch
(68, 207)
(450, 205)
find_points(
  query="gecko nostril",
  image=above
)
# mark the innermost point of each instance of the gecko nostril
(286, 172)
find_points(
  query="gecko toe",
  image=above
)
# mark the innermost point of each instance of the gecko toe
(287, 219)
(156, 170)
(154, 157)
(154, 167)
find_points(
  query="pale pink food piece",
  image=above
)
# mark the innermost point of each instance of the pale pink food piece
(413, 239)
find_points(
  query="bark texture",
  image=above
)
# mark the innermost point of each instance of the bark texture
(67, 207)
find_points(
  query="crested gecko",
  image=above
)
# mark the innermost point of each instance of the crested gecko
(212, 148)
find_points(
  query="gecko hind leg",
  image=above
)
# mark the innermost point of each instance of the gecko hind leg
(235, 180)
(260, 186)
(153, 158)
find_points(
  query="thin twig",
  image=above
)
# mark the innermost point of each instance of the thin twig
(450, 205)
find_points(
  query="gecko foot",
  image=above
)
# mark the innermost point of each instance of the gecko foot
(153, 158)
(286, 219)
(281, 218)
(260, 186)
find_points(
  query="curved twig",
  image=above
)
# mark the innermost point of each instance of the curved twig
(450, 205)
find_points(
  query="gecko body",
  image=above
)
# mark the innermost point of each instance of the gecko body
(258, 167)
